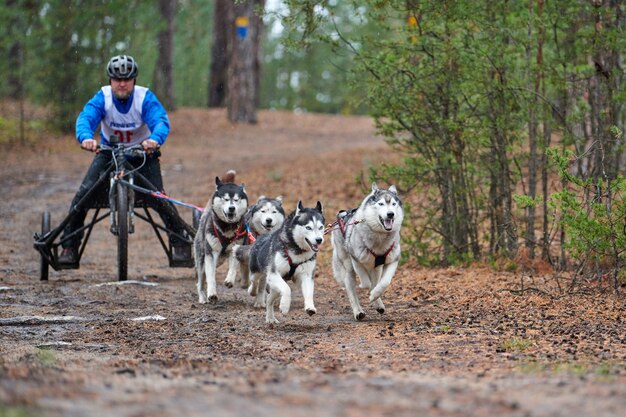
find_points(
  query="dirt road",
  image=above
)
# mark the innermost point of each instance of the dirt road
(453, 342)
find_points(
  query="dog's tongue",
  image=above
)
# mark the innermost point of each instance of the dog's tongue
(388, 223)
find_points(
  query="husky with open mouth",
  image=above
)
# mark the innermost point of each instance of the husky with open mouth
(288, 253)
(366, 242)
(265, 216)
(221, 227)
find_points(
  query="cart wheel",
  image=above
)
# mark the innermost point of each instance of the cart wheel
(196, 218)
(122, 232)
(45, 228)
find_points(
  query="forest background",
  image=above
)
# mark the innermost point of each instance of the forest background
(508, 115)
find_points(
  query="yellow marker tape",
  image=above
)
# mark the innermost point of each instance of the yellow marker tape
(242, 21)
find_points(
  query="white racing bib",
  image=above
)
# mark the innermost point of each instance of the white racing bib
(128, 126)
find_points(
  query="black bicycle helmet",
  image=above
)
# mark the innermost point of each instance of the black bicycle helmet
(122, 67)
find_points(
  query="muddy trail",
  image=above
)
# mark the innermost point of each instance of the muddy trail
(453, 342)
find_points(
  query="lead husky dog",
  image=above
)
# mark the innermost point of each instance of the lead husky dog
(221, 227)
(265, 216)
(285, 254)
(367, 243)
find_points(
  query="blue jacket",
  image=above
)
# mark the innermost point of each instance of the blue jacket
(153, 114)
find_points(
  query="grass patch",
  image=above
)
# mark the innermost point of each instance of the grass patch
(577, 369)
(534, 367)
(444, 329)
(516, 344)
(602, 370)
(16, 412)
(46, 357)
(33, 130)
(275, 175)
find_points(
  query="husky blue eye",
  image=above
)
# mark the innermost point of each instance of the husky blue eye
(309, 228)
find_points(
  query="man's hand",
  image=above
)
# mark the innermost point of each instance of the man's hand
(149, 145)
(89, 145)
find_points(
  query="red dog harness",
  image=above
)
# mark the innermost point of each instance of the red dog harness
(225, 241)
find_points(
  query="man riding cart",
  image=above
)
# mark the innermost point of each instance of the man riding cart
(133, 127)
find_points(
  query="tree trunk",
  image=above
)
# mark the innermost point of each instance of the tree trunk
(63, 63)
(547, 138)
(164, 68)
(504, 239)
(15, 55)
(603, 88)
(533, 158)
(243, 52)
(219, 55)
(15, 61)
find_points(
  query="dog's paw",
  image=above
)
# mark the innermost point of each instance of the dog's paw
(259, 304)
(271, 320)
(310, 311)
(252, 291)
(213, 299)
(375, 295)
(359, 316)
(379, 305)
(228, 284)
(202, 296)
(284, 308)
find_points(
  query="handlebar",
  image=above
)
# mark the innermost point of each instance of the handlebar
(116, 148)
(135, 151)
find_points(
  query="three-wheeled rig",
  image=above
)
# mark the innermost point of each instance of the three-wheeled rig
(128, 190)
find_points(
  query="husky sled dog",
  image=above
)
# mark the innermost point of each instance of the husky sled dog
(367, 243)
(221, 227)
(265, 216)
(288, 253)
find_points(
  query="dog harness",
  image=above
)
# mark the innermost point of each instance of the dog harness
(343, 225)
(380, 259)
(292, 266)
(225, 241)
